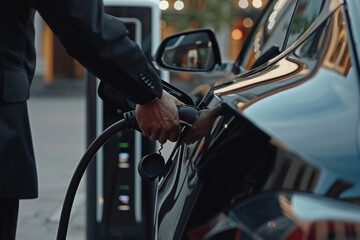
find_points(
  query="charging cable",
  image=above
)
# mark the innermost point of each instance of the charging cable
(187, 116)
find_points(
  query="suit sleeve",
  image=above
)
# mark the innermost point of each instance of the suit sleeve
(100, 43)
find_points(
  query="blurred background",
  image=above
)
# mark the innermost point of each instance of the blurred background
(231, 20)
(57, 106)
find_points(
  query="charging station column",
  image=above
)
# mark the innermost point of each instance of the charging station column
(115, 196)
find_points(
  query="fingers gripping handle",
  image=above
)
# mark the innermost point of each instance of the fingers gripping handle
(187, 116)
(153, 165)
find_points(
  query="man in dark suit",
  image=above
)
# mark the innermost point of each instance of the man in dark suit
(100, 43)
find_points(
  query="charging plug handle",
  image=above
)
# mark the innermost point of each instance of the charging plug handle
(188, 115)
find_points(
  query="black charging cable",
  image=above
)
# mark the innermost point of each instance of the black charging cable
(187, 116)
(129, 122)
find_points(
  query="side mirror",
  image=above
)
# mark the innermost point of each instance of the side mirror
(192, 51)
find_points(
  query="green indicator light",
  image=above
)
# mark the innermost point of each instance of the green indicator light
(123, 145)
(124, 187)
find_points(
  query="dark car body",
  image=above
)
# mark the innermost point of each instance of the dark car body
(283, 162)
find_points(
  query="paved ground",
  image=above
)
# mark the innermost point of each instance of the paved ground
(57, 115)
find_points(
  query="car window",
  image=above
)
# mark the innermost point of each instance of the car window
(305, 15)
(269, 35)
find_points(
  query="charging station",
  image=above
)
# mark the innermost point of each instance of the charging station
(117, 201)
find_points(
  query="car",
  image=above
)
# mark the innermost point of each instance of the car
(282, 160)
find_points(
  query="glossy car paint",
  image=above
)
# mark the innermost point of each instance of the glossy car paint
(288, 215)
(309, 106)
(306, 100)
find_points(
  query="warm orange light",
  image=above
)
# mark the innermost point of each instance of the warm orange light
(163, 24)
(237, 34)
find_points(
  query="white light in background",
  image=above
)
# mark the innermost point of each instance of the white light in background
(273, 15)
(257, 3)
(164, 5)
(278, 5)
(257, 46)
(272, 20)
(243, 4)
(179, 5)
(248, 23)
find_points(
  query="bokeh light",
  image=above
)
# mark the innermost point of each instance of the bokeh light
(257, 3)
(237, 34)
(163, 5)
(248, 23)
(179, 5)
(243, 4)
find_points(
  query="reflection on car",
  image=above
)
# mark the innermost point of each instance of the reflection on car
(283, 162)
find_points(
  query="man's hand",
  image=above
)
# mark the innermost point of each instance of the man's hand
(159, 120)
(202, 125)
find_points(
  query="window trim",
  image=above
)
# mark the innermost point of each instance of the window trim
(238, 67)
(287, 35)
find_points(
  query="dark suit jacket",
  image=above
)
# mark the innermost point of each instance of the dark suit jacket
(98, 41)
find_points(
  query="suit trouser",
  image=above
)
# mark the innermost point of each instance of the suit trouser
(9, 209)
